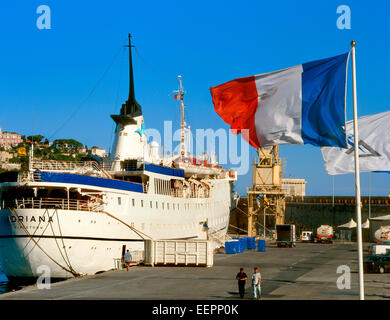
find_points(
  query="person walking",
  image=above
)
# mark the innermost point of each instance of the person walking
(256, 283)
(127, 259)
(241, 277)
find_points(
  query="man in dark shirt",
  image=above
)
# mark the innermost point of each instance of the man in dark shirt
(241, 277)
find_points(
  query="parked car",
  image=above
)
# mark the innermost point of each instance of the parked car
(377, 263)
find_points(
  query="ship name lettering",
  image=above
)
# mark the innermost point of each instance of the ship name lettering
(30, 219)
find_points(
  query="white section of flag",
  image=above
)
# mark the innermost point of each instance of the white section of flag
(278, 118)
(374, 147)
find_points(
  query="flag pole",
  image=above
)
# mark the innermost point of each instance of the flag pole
(357, 177)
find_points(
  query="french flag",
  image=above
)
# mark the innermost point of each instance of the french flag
(298, 105)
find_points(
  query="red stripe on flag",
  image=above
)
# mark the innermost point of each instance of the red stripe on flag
(236, 103)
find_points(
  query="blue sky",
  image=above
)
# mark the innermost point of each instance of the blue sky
(46, 74)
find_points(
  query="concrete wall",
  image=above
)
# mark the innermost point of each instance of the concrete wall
(310, 212)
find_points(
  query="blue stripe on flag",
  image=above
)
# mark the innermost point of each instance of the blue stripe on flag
(323, 101)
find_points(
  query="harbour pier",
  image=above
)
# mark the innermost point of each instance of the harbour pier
(307, 272)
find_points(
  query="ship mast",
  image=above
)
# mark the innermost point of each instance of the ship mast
(131, 108)
(129, 140)
(180, 96)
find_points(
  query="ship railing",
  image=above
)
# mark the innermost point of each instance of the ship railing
(81, 167)
(53, 203)
(24, 177)
(178, 193)
(107, 165)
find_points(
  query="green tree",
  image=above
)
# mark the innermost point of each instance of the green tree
(35, 138)
(71, 142)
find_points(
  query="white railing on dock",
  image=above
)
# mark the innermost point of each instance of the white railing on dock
(219, 236)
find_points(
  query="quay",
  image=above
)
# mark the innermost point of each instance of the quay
(306, 272)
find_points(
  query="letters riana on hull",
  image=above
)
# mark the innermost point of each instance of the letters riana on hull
(80, 217)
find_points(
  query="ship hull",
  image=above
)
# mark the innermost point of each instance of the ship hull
(66, 243)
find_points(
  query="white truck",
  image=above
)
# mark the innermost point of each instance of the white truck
(285, 235)
(379, 249)
(307, 236)
(324, 234)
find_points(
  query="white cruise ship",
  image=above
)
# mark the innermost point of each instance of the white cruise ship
(79, 218)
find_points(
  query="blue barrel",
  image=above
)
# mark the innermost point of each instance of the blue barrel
(261, 245)
(243, 244)
(232, 247)
(240, 245)
(229, 247)
(251, 242)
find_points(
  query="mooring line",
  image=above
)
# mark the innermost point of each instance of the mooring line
(127, 225)
(26, 231)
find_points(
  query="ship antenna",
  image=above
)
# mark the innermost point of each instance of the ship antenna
(180, 96)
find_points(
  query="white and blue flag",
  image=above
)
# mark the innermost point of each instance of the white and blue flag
(374, 147)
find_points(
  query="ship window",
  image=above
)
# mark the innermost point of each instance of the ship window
(168, 206)
(151, 204)
(119, 201)
(173, 206)
(163, 205)
(133, 201)
(178, 208)
(142, 203)
(156, 205)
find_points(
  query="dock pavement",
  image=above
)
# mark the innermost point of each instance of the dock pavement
(306, 272)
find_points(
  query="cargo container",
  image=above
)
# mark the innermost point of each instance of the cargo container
(179, 252)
